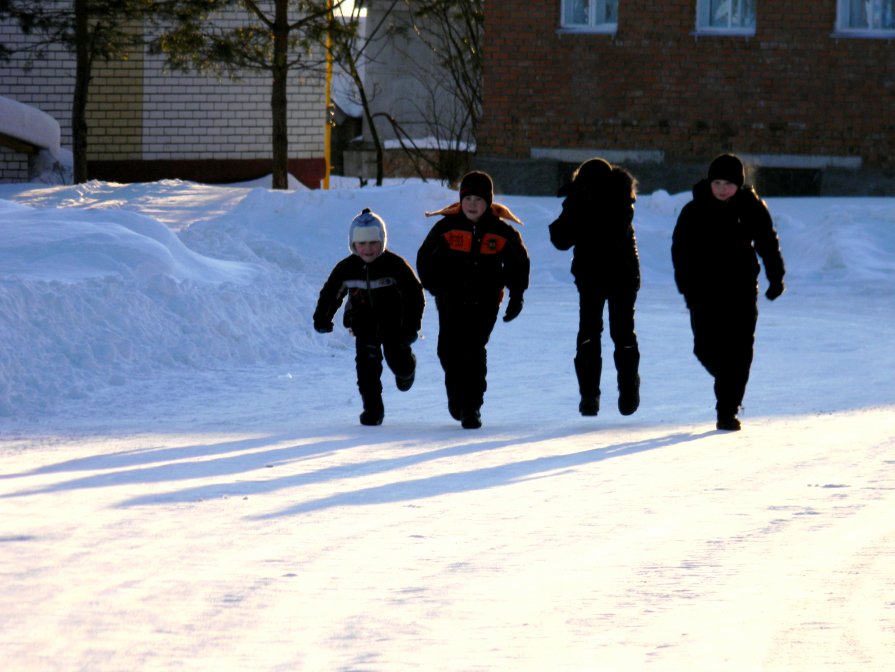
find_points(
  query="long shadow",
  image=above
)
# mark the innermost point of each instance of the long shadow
(480, 479)
(416, 489)
(145, 456)
(303, 449)
(183, 469)
(337, 472)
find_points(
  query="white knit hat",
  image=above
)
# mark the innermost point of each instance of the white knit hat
(365, 228)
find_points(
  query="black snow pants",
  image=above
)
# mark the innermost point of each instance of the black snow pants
(464, 329)
(368, 358)
(588, 356)
(723, 342)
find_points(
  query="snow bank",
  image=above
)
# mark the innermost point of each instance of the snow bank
(106, 283)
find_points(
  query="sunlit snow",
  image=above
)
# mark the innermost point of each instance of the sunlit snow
(184, 484)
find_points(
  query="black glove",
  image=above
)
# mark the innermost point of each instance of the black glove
(774, 290)
(323, 327)
(514, 307)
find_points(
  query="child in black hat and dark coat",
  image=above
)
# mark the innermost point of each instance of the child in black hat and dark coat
(384, 310)
(713, 249)
(465, 262)
(597, 220)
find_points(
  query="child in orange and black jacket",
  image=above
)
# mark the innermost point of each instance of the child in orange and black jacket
(466, 261)
(384, 310)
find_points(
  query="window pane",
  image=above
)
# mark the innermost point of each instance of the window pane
(610, 11)
(731, 13)
(872, 14)
(743, 14)
(575, 12)
(719, 13)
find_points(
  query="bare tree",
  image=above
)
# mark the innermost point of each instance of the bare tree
(452, 31)
(349, 50)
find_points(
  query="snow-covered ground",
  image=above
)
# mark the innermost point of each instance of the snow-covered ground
(184, 484)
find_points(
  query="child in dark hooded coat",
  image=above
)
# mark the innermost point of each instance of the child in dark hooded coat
(714, 247)
(597, 220)
(384, 310)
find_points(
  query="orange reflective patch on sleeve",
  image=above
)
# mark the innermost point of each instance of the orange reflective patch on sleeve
(492, 244)
(458, 240)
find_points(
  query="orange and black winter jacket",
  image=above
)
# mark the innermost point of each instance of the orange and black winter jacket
(472, 263)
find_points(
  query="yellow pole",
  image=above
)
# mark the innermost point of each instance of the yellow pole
(327, 133)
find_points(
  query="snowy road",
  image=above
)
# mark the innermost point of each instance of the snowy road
(545, 541)
(612, 549)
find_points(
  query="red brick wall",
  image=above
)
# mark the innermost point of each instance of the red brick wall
(792, 88)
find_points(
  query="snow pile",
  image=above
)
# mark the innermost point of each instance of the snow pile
(104, 284)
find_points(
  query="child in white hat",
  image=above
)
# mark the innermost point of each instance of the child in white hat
(383, 312)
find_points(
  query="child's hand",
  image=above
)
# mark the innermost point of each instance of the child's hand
(514, 307)
(323, 327)
(775, 290)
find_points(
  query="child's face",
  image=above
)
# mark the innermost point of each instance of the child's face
(368, 250)
(473, 207)
(722, 189)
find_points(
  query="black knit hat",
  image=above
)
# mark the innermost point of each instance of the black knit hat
(477, 183)
(592, 171)
(728, 167)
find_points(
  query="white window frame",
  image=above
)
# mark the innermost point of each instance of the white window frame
(703, 22)
(595, 8)
(883, 16)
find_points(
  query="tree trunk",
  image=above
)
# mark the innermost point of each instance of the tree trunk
(365, 105)
(79, 100)
(278, 104)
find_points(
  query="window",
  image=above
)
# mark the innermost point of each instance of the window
(870, 17)
(593, 15)
(735, 17)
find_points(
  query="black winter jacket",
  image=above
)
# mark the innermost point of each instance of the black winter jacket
(598, 223)
(472, 263)
(715, 242)
(385, 298)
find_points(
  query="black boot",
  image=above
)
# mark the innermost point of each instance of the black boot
(374, 411)
(728, 422)
(404, 383)
(472, 419)
(588, 369)
(627, 363)
(727, 417)
(589, 405)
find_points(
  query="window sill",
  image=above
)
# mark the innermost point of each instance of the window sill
(850, 34)
(607, 29)
(724, 32)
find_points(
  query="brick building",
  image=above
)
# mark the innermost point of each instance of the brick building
(803, 90)
(145, 123)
